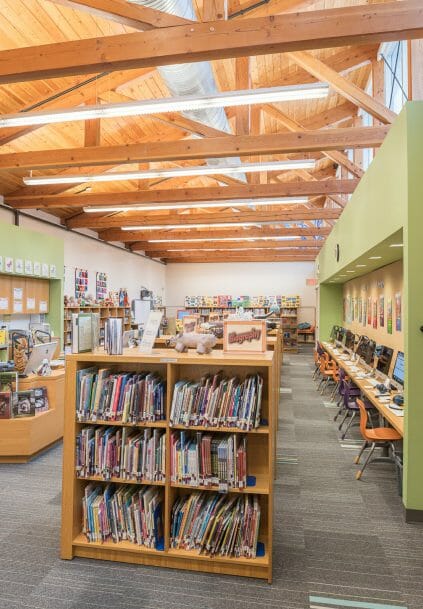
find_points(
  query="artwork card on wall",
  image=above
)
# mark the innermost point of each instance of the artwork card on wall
(382, 311)
(19, 266)
(101, 286)
(375, 313)
(81, 282)
(364, 311)
(28, 267)
(398, 324)
(45, 270)
(369, 311)
(356, 309)
(8, 265)
(389, 315)
(37, 268)
(53, 271)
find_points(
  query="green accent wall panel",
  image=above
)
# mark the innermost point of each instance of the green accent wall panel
(330, 308)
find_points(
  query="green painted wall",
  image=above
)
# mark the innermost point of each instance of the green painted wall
(413, 311)
(389, 198)
(17, 242)
(376, 209)
(330, 308)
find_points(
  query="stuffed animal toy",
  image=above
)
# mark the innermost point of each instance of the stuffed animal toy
(203, 343)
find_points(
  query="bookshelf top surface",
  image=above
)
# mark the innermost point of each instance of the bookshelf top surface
(165, 356)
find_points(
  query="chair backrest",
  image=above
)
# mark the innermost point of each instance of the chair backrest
(324, 360)
(363, 417)
(347, 391)
(320, 349)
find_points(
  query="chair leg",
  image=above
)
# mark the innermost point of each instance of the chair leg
(343, 420)
(335, 389)
(341, 408)
(325, 385)
(349, 425)
(370, 453)
(362, 449)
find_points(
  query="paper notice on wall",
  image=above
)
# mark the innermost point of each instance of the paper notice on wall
(17, 306)
(150, 332)
(17, 293)
(4, 304)
(43, 306)
(30, 304)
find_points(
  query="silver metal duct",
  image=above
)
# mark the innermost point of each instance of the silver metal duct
(191, 78)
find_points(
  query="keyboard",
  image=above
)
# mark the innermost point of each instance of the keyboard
(398, 411)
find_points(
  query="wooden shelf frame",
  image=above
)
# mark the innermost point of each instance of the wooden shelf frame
(105, 311)
(260, 446)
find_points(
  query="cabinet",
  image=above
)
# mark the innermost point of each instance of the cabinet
(24, 295)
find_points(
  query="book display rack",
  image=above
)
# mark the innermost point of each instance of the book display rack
(140, 487)
(105, 313)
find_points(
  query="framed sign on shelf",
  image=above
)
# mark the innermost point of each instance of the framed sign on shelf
(190, 323)
(244, 336)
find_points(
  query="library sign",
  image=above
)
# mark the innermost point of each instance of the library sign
(244, 336)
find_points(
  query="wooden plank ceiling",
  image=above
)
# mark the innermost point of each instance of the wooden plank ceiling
(317, 129)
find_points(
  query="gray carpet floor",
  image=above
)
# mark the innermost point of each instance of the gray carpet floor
(337, 542)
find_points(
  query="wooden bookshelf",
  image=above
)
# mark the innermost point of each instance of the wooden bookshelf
(105, 313)
(260, 447)
(289, 317)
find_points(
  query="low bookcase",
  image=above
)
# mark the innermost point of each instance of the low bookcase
(173, 367)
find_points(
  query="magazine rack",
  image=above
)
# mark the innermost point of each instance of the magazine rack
(260, 456)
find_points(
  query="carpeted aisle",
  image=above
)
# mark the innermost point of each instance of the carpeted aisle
(337, 542)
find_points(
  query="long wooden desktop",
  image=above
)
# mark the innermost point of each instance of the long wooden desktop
(396, 421)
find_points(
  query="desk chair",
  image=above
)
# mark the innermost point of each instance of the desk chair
(351, 397)
(328, 370)
(342, 387)
(379, 436)
(317, 354)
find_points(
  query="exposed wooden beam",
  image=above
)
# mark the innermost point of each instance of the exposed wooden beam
(116, 234)
(233, 145)
(92, 132)
(266, 256)
(309, 177)
(167, 195)
(335, 155)
(217, 40)
(242, 82)
(214, 10)
(229, 253)
(343, 86)
(121, 11)
(84, 220)
(227, 245)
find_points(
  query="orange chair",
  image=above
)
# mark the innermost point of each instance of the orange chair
(328, 370)
(378, 436)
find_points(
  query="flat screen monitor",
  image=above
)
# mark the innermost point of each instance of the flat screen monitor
(334, 332)
(362, 346)
(341, 335)
(398, 373)
(384, 358)
(370, 352)
(349, 339)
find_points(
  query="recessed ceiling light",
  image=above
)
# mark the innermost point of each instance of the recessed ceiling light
(350, 271)
(342, 275)
(360, 265)
(375, 258)
(397, 245)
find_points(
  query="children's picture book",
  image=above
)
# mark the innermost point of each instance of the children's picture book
(5, 405)
(8, 381)
(23, 404)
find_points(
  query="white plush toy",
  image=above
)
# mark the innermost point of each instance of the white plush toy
(203, 343)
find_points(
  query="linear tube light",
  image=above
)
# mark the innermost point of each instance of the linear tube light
(235, 249)
(204, 170)
(202, 239)
(171, 104)
(211, 225)
(206, 204)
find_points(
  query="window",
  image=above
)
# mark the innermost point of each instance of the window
(394, 55)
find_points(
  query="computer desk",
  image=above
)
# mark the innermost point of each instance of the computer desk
(396, 421)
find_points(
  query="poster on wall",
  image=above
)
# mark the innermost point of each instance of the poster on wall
(101, 286)
(375, 313)
(81, 283)
(369, 311)
(398, 311)
(37, 268)
(8, 265)
(53, 271)
(28, 267)
(19, 266)
(344, 310)
(382, 311)
(356, 309)
(364, 311)
(349, 310)
(389, 315)
(45, 270)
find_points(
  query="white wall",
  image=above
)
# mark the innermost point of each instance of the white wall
(235, 278)
(124, 269)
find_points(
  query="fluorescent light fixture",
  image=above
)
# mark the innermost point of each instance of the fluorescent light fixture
(203, 239)
(205, 204)
(342, 275)
(235, 249)
(375, 258)
(350, 271)
(397, 245)
(211, 225)
(360, 265)
(202, 170)
(170, 104)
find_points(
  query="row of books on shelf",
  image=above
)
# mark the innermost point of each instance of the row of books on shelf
(218, 401)
(209, 523)
(198, 459)
(236, 301)
(122, 453)
(17, 404)
(213, 401)
(127, 397)
(204, 459)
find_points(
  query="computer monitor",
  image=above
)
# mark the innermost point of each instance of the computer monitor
(349, 340)
(398, 373)
(341, 335)
(334, 332)
(369, 354)
(38, 354)
(362, 345)
(384, 358)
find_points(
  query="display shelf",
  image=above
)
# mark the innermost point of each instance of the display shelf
(105, 313)
(159, 424)
(260, 459)
(116, 480)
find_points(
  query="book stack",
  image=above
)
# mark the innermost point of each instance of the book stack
(127, 397)
(121, 452)
(218, 401)
(123, 514)
(216, 525)
(203, 459)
